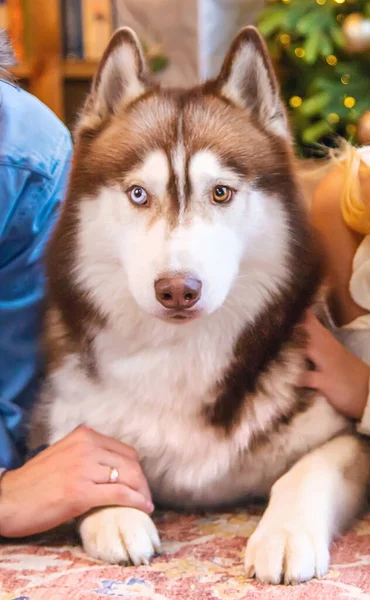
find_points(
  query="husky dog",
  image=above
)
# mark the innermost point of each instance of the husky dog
(179, 272)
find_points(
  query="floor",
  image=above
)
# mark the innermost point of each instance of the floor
(201, 560)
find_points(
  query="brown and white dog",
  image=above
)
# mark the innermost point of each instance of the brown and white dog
(179, 270)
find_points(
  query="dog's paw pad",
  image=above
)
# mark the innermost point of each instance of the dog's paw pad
(283, 556)
(120, 535)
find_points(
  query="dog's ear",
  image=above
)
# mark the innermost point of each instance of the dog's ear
(120, 78)
(247, 79)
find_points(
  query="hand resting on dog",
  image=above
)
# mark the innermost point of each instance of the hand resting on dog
(68, 479)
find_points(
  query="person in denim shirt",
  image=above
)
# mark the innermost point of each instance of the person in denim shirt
(72, 476)
(35, 152)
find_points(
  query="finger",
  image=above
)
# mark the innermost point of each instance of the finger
(315, 354)
(117, 494)
(89, 437)
(310, 319)
(313, 325)
(318, 340)
(311, 379)
(129, 471)
(113, 445)
(85, 434)
(101, 475)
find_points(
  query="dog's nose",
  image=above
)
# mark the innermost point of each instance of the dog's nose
(178, 292)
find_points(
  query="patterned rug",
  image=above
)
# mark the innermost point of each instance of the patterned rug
(201, 560)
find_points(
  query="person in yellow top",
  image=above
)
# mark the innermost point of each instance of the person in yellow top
(341, 213)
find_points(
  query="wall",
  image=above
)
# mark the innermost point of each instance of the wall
(195, 34)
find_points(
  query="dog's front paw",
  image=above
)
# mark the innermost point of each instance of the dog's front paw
(286, 553)
(119, 535)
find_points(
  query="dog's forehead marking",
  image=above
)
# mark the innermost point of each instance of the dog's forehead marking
(153, 173)
(178, 160)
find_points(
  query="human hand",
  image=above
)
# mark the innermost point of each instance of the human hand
(340, 376)
(68, 479)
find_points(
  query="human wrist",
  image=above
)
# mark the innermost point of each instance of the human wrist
(5, 512)
(3, 474)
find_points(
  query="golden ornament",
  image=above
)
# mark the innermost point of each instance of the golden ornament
(285, 39)
(349, 102)
(333, 118)
(363, 129)
(356, 30)
(295, 101)
(331, 60)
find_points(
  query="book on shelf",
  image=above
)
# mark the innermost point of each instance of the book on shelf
(87, 26)
(72, 40)
(97, 25)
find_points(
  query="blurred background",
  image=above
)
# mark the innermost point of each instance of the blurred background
(320, 49)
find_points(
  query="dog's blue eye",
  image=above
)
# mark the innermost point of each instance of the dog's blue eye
(138, 195)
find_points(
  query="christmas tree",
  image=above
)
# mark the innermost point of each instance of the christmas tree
(321, 49)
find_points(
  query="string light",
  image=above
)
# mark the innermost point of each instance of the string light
(285, 39)
(287, 1)
(345, 79)
(349, 102)
(333, 118)
(331, 60)
(295, 101)
(340, 1)
(321, 2)
(351, 129)
(300, 52)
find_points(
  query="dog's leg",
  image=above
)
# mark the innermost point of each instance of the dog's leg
(309, 505)
(119, 535)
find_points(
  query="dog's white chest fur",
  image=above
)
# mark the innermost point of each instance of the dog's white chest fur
(153, 398)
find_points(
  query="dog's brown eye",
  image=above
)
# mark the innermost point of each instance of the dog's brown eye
(221, 194)
(138, 195)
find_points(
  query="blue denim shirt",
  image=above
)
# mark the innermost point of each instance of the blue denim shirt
(35, 152)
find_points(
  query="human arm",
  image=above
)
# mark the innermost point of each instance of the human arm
(31, 194)
(339, 375)
(68, 479)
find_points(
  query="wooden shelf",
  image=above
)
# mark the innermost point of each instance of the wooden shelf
(79, 69)
(71, 69)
